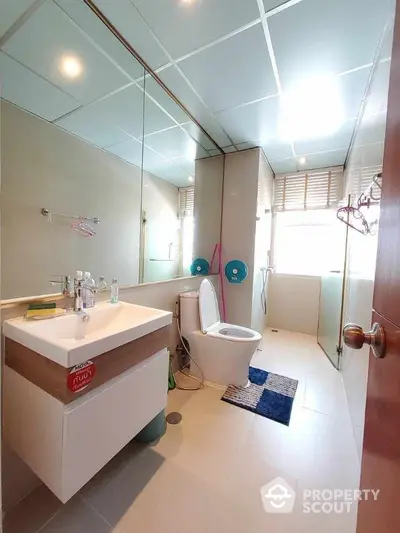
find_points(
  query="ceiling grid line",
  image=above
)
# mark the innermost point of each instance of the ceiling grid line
(93, 42)
(132, 83)
(172, 62)
(20, 21)
(174, 65)
(42, 77)
(271, 52)
(248, 118)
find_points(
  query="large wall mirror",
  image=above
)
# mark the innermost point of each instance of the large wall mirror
(102, 170)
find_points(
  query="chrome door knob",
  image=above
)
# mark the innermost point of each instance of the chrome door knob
(355, 337)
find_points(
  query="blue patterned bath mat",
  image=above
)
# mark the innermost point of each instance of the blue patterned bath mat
(268, 394)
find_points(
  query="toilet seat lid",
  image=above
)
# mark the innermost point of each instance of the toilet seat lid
(208, 306)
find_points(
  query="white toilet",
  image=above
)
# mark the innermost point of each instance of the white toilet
(222, 351)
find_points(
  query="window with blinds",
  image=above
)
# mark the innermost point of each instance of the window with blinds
(186, 202)
(360, 179)
(309, 190)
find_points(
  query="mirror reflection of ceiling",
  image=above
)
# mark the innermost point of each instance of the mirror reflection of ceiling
(60, 62)
(288, 76)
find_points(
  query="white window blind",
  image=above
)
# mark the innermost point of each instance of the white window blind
(359, 179)
(186, 202)
(309, 190)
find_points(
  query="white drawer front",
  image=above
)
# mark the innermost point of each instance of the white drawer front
(97, 429)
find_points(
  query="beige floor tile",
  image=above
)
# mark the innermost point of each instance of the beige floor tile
(206, 474)
(32, 513)
(77, 517)
(326, 394)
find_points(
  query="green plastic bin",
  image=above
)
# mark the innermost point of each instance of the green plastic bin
(154, 429)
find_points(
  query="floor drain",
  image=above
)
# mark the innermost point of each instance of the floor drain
(174, 418)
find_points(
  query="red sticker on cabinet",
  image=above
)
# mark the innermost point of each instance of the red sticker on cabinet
(80, 376)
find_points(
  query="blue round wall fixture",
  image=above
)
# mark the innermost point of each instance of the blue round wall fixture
(236, 271)
(200, 267)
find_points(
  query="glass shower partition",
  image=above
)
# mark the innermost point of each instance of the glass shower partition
(330, 321)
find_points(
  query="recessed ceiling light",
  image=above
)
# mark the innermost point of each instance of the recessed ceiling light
(70, 67)
(191, 178)
(186, 1)
(302, 161)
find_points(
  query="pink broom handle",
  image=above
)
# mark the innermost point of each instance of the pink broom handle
(221, 280)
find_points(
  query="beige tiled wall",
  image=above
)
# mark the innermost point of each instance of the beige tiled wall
(44, 166)
(239, 228)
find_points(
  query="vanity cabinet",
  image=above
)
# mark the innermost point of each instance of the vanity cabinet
(67, 444)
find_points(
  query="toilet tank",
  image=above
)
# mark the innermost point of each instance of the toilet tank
(189, 312)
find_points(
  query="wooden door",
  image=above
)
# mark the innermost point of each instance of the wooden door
(381, 453)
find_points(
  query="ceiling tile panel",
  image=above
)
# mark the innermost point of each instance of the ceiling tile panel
(125, 17)
(379, 90)
(155, 118)
(185, 26)
(131, 151)
(276, 149)
(158, 93)
(229, 149)
(101, 35)
(195, 132)
(124, 109)
(167, 171)
(233, 72)
(175, 143)
(352, 89)
(325, 159)
(60, 38)
(319, 37)
(186, 164)
(42, 99)
(11, 10)
(338, 141)
(177, 84)
(87, 124)
(252, 122)
(281, 166)
(246, 146)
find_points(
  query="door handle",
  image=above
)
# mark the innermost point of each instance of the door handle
(355, 337)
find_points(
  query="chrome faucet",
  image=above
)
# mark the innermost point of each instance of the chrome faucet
(67, 285)
(73, 289)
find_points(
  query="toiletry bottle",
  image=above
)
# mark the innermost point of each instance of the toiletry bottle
(114, 291)
(102, 284)
(88, 294)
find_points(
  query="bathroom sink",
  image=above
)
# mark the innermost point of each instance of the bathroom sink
(69, 340)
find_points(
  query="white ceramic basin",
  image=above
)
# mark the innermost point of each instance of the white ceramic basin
(69, 341)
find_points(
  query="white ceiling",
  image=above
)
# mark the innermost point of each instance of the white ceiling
(104, 106)
(230, 62)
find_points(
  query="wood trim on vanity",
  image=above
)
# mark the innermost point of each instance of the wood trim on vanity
(52, 377)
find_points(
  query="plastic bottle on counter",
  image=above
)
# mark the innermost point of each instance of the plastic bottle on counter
(114, 291)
